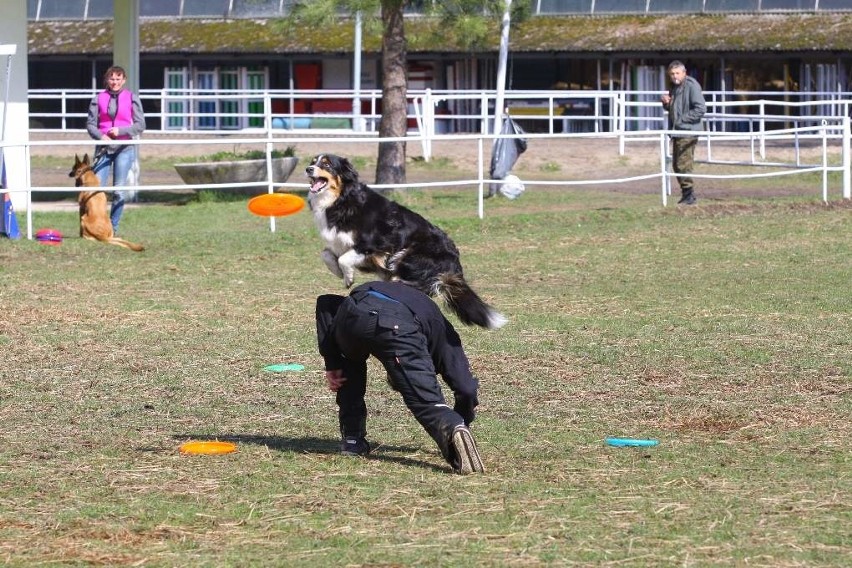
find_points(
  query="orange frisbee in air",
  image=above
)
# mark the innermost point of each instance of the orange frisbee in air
(275, 204)
(207, 447)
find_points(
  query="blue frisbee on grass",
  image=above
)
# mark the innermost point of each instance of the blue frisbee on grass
(284, 367)
(631, 442)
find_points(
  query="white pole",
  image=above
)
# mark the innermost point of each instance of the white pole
(501, 69)
(125, 52)
(356, 77)
(824, 133)
(481, 175)
(847, 160)
(664, 179)
(8, 51)
(13, 36)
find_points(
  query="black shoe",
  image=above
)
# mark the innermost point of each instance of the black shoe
(354, 447)
(687, 200)
(467, 456)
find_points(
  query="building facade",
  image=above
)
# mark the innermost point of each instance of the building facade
(730, 46)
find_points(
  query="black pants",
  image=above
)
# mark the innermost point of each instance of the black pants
(365, 325)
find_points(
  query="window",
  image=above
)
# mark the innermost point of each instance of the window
(786, 4)
(674, 6)
(564, 6)
(100, 9)
(205, 105)
(259, 8)
(210, 107)
(62, 9)
(217, 8)
(256, 81)
(159, 8)
(176, 107)
(731, 5)
(615, 6)
(229, 109)
(834, 5)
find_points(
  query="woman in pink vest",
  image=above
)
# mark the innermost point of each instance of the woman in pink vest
(115, 114)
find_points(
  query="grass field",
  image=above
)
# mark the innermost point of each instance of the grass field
(723, 330)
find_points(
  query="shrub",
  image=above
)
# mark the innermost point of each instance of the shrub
(232, 156)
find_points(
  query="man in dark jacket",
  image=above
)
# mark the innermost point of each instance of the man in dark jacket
(686, 106)
(408, 334)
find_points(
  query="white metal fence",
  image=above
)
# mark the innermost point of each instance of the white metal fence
(830, 132)
(433, 111)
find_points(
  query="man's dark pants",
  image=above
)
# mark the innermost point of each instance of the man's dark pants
(683, 159)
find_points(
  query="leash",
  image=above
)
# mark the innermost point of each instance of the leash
(102, 151)
(99, 154)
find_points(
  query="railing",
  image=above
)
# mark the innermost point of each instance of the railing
(626, 117)
(88, 9)
(432, 111)
(827, 132)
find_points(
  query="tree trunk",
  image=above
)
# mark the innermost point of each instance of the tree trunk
(390, 167)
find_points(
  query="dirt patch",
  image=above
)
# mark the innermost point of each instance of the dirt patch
(547, 159)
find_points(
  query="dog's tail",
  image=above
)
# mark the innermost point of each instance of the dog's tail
(466, 304)
(126, 244)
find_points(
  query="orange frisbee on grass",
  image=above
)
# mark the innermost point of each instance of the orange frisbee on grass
(207, 447)
(275, 204)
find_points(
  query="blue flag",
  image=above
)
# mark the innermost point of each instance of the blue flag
(8, 221)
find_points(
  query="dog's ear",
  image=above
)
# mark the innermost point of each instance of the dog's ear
(86, 159)
(348, 173)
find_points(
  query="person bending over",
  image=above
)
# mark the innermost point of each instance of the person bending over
(404, 329)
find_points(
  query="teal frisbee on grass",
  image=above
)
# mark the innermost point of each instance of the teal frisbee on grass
(631, 442)
(283, 367)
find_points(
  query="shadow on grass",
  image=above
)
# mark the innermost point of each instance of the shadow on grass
(312, 445)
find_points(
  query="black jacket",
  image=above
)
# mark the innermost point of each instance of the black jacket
(443, 342)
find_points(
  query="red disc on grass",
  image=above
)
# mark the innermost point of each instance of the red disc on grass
(49, 236)
(275, 204)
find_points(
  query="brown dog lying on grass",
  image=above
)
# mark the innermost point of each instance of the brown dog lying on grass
(94, 221)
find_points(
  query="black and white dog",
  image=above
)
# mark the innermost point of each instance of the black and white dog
(364, 230)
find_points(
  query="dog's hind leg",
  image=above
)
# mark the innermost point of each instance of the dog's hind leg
(330, 260)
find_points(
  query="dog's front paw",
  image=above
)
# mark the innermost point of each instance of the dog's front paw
(349, 280)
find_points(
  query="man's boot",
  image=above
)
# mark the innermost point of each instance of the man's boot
(687, 197)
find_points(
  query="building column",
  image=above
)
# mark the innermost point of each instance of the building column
(125, 46)
(13, 31)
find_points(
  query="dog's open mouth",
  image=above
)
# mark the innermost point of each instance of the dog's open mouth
(317, 184)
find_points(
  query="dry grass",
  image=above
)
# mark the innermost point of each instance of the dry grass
(721, 330)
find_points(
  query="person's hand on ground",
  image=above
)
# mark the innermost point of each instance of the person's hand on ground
(335, 379)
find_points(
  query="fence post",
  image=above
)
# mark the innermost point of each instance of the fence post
(621, 124)
(481, 175)
(64, 112)
(267, 112)
(428, 124)
(664, 178)
(762, 123)
(847, 159)
(824, 133)
(550, 114)
(483, 112)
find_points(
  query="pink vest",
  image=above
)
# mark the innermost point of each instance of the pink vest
(123, 113)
